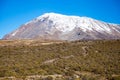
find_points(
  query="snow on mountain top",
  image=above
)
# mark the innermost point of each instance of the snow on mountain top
(60, 16)
(66, 23)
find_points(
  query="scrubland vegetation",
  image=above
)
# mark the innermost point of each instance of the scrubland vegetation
(77, 60)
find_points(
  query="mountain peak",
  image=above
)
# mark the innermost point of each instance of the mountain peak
(64, 27)
(52, 15)
(59, 17)
(62, 21)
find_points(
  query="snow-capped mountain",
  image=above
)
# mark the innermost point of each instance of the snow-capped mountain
(62, 27)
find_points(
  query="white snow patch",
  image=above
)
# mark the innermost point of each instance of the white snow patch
(14, 33)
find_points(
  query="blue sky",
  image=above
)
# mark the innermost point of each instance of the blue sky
(14, 13)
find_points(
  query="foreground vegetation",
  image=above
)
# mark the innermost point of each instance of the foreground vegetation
(78, 60)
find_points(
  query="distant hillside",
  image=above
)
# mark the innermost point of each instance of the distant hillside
(77, 60)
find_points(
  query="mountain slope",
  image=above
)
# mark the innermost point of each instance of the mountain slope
(62, 27)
